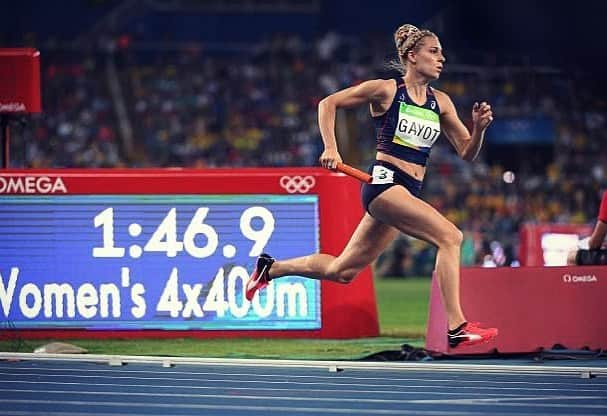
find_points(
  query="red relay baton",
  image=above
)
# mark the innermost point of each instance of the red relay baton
(355, 173)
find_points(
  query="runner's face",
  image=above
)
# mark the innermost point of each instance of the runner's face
(429, 59)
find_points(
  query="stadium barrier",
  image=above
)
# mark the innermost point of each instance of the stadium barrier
(534, 308)
(166, 253)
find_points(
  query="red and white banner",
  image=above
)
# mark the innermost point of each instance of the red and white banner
(533, 307)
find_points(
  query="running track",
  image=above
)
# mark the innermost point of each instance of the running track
(48, 384)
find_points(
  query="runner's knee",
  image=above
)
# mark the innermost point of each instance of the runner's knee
(453, 237)
(341, 275)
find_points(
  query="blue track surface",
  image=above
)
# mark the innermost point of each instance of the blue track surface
(40, 387)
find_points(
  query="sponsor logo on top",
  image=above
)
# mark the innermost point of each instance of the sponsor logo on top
(31, 185)
(14, 107)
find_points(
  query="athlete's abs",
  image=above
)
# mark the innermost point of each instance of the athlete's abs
(413, 169)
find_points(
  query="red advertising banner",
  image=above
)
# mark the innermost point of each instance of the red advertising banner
(533, 307)
(19, 81)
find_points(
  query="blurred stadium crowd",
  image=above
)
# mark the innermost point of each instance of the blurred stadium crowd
(124, 104)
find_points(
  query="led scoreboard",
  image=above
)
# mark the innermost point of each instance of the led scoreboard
(156, 259)
(167, 253)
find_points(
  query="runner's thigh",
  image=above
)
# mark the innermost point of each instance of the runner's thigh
(370, 238)
(412, 216)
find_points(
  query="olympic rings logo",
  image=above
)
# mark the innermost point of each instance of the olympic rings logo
(301, 184)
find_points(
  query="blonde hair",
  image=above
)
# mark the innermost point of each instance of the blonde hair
(407, 38)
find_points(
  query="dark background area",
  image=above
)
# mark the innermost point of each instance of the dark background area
(552, 32)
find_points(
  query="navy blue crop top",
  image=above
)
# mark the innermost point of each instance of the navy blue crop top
(407, 130)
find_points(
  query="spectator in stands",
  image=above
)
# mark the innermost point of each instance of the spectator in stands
(591, 251)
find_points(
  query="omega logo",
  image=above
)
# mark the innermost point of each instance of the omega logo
(587, 278)
(31, 185)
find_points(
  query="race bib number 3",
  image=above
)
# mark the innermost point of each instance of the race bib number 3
(417, 127)
(382, 175)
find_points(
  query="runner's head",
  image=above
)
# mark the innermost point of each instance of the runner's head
(419, 50)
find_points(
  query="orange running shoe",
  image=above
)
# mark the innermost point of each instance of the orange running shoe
(470, 333)
(259, 279)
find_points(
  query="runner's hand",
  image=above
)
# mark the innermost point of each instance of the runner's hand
(330, 158)
(482, 115)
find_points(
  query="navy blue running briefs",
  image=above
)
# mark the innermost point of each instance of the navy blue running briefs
(371, 190)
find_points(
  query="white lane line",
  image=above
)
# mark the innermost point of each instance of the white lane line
(248, 409)
(358, 365)
(243, 409)
(508, 402)
(211, 396)
(302, 409)
(453, 375)
(287, 381)
(500, 400)
(47, 413)
(493, 401)
(67, 371)
(223, 386)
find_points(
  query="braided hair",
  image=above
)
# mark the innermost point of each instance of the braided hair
(407, 38)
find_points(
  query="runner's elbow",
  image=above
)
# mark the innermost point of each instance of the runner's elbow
(325, 104)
